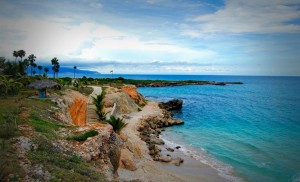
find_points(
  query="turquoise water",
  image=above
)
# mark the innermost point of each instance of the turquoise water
(250, 130)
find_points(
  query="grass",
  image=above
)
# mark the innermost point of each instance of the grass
(8, 127)
(45, 127)
(9, 164)
(62, 167)
(39, 114)
(84, 136)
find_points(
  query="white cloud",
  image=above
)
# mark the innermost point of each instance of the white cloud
(89, 42)
(255, 16)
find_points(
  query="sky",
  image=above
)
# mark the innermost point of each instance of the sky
(195, 37)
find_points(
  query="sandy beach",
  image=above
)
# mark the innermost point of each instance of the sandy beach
(149, 170)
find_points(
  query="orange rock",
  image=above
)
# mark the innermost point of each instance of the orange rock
(133, 94)
(77, 111)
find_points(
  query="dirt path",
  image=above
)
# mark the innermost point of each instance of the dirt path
(91, 114)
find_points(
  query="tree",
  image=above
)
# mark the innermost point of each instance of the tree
(21, 54)
(34, 66)
(40, 69)
(46, 70)
(75, 67)
(117, 123)
(26, 63)
(55, 66)
(31, 59)
(16, 55)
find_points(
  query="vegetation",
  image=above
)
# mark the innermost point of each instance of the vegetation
(8, 127)
(75, 67)
(117, 123)
(62, 167)
(9, 165)
(45, 127)
(55, 66)
(84, 136)
(97, 101)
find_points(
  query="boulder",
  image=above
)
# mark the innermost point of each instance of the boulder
(157, 141)
(175, 104)
(177, 161)
(165, 158)
(170, 149)
(175, 121)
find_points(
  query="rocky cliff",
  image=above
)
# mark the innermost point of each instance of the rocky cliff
(124, 104)
(132, 92)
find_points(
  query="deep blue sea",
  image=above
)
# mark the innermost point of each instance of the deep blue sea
(249, 131)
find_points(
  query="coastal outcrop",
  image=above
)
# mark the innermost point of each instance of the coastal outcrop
(182, 83)
(104, 148)
(133, 94)
(72, 108)
(124, 104)
(149, 132)
(175, 104)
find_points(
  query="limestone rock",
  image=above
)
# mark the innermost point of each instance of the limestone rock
(175, 121)
(127, 160)
(124, 104)
(175, 104)
(165, 158)
(157, 141)
(177, 161)
(25, 144)
(133, 94)
(170, 149)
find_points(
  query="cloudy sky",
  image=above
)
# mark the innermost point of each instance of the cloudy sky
(209, 37)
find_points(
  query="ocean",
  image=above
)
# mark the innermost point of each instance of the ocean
(248, 132)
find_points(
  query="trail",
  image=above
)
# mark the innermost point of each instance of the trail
(91, 114)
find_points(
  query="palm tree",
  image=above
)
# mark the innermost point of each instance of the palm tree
(75, 67)
(16, 55)
(26, 62)
(21, 54)
(55, 66)
(46, 70)
(40, 69)
(31, 59)
(117, 123)
(34, 66)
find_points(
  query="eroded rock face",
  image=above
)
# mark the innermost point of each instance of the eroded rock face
(103, 148)
(124, 104)
(77, 111)
(71, 108)
(133, 94)
(175, 104)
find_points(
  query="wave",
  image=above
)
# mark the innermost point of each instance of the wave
(223, 170)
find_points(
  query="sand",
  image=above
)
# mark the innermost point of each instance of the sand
(149, 170)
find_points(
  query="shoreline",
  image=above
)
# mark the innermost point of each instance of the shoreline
(150, 170)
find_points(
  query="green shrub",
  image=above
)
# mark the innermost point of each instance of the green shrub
(117, 123)
(9, 127)
(75, 158)
(101, 115)
(84, 136)
(98, 102)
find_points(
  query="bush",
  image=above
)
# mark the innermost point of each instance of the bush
(9, 127)
(84, 136)
(75, 158)
(117, 123)
(99, 106)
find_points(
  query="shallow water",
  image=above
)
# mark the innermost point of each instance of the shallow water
(250, 130)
